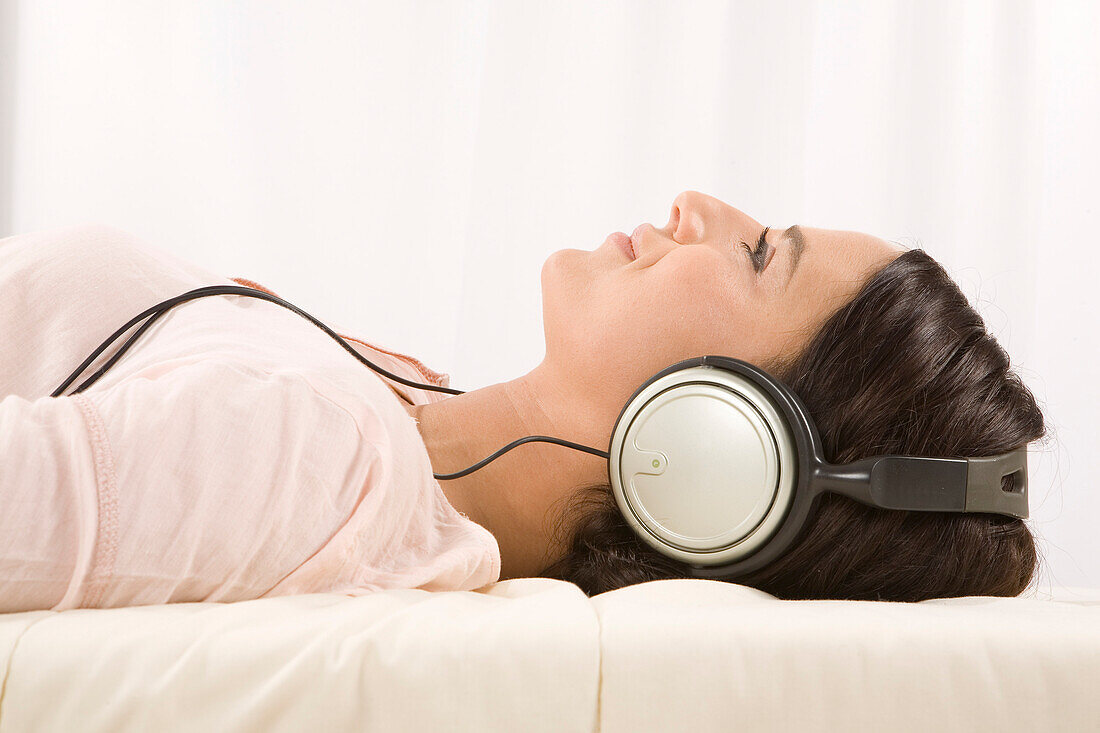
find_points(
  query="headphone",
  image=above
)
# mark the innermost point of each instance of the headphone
(716, 463)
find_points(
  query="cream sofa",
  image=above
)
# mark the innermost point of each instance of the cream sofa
(535, 654)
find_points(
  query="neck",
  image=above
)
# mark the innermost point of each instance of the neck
(518, 495)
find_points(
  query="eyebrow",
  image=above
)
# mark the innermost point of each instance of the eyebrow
(798, 244)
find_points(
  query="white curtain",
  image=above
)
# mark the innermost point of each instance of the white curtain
(352, 156)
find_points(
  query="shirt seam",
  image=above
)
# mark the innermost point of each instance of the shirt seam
(105, 550)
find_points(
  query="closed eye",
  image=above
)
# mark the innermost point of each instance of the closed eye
(759, 254)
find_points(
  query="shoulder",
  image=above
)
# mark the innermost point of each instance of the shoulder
(98, 253)
(75, 239)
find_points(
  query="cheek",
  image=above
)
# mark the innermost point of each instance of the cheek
(584, 301)
(703, 289)
(681, 306)
(709, 309)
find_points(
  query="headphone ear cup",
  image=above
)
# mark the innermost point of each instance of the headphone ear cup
(703, 464)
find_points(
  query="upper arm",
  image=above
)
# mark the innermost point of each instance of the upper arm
(47, 494)
(211, 481)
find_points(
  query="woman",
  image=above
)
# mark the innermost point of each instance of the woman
(877, 341)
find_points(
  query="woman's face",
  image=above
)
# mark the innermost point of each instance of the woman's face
(611, 323)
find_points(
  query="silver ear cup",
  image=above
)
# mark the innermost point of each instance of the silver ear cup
(703, 465)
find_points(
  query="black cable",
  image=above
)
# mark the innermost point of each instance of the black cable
(226, 290)
(90, 380)
(163, 307)
(521, 441)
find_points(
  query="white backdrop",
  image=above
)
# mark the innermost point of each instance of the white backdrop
(354, 155)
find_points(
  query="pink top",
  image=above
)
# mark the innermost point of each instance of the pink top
(235, 451)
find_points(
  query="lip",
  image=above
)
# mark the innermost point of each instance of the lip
(623, 242)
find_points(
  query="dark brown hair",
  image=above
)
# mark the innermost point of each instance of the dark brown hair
(907, 368)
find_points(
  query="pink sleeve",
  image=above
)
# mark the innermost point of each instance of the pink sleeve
(47, 488)
(210, 481)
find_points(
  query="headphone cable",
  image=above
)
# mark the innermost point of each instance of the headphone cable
(163, 307)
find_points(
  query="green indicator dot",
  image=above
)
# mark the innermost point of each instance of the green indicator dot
(656, 463)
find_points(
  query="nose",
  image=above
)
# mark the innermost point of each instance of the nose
(686, 221)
